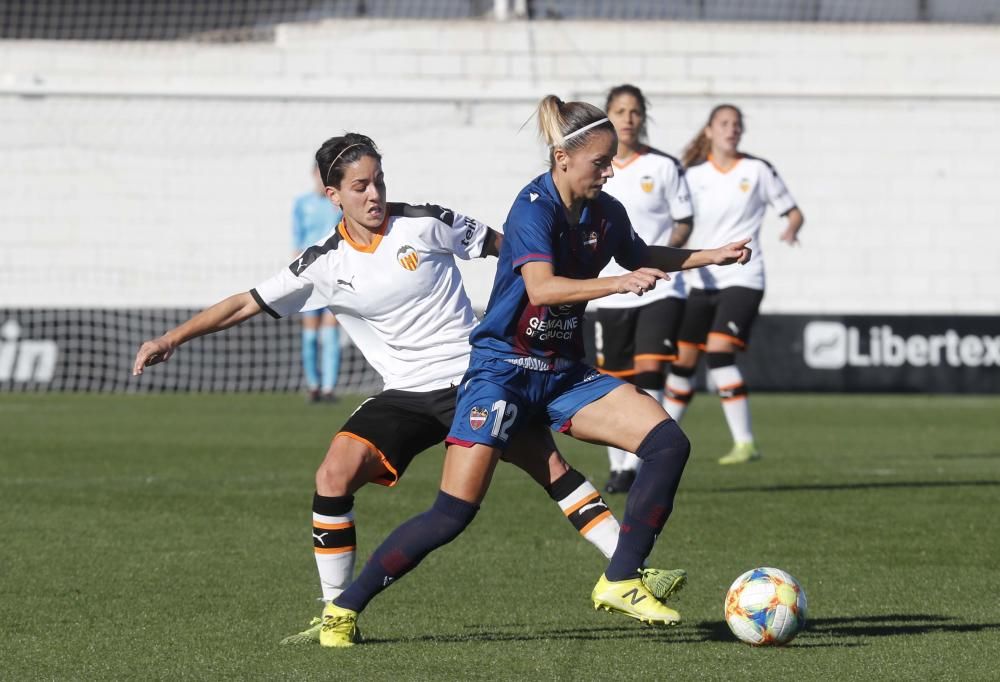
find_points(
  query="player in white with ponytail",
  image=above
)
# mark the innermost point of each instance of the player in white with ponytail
(731, 191)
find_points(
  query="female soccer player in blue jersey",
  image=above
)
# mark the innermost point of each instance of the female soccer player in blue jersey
(389, 273)
(526, 364)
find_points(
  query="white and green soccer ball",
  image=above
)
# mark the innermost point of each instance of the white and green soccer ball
(766, 606)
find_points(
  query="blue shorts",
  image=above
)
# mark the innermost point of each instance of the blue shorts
(497, 398)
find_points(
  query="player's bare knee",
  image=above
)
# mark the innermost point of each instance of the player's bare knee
(345, 467)
(332, 481)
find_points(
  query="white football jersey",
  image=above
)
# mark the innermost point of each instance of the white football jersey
(730, 205)
(652, 187)
(400, 299)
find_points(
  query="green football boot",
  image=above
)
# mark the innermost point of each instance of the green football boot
(663, 582)
(308, 636)
(741, 454)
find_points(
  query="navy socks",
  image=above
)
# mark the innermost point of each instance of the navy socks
(407, 546)
(664, 452)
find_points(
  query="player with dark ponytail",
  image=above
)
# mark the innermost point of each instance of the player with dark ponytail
(636, 338)
(388, 272)
(526, 366)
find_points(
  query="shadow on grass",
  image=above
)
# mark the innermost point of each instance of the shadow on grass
(523, 633)
(821, 632)
(855, 486)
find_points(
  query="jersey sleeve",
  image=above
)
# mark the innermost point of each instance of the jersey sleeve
(461, 235)
(287, 293)
(775, 192)
(631, 250)
(528, 232)
(678, 193)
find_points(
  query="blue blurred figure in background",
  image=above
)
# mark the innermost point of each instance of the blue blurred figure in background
(314, 217)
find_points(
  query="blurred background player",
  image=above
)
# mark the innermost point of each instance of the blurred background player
(635, 336)
(731, 191)
(314, 216)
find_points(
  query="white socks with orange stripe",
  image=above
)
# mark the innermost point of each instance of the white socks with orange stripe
(679, 392)
(732, 390)
(334, 542)
(586, 510)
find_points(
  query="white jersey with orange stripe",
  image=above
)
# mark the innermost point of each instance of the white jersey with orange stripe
(401, 299)
(730, 205)
(652, 187)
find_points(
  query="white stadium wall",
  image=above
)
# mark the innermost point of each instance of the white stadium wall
(162, 174)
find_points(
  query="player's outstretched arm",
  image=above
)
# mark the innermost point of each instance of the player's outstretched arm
(672, 260)
(224, 314)
(544, 287)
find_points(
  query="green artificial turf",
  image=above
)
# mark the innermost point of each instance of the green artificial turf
(168, 537)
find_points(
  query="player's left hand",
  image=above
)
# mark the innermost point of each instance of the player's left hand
(790, 237)
(734, 252)
(639, 281)
(152, 352)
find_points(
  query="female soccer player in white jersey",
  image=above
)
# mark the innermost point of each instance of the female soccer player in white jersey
(526, 365)
(731, 191)
(389, 274)
(635, 337)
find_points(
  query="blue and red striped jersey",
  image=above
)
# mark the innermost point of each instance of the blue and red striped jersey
(537, 229)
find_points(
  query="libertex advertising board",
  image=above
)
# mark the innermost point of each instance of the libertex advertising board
(859, 353)
(869, 353)
(92, 350)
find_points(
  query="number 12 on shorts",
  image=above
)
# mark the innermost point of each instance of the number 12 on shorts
(504, 414)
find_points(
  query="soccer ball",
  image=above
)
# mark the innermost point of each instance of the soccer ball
(766, 606)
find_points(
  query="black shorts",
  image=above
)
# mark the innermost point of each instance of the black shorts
(399, 425)
(624, 335)
(728, 312)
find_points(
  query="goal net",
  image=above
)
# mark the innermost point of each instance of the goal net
(152, 152)
(93, 349)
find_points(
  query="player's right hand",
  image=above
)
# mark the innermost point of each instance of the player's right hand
(152, 352)
(734, 252)
(639, 281)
